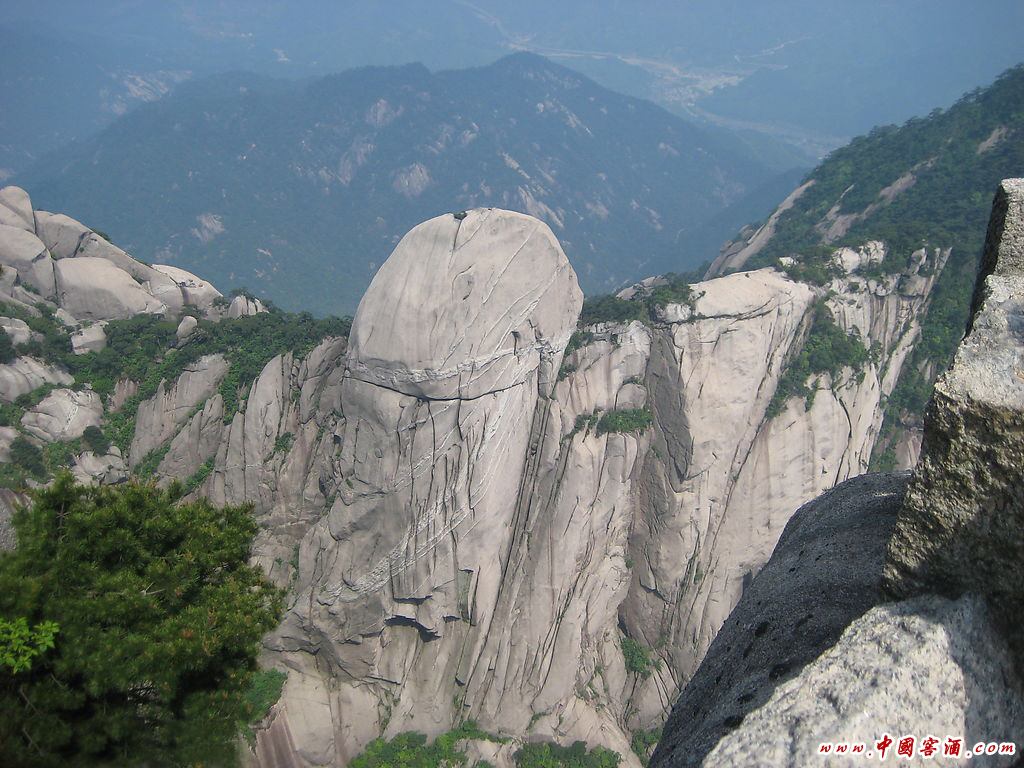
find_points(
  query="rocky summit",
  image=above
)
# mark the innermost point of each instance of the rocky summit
(961, 526)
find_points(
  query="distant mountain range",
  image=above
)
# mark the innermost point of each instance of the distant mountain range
(798, 77)
(299, 191)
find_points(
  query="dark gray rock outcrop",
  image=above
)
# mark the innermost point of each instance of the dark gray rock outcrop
(926, 667)
(825, 572)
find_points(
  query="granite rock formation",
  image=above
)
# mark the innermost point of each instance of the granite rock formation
(476, 504)
(960, 529)
(928, 667)
(824, 573)
(946, 661)
(53, 257)
(516, 617)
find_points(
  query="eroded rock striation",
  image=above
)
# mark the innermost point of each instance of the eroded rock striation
(476, 505)
(489, 544)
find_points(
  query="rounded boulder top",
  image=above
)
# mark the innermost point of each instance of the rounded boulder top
(467, 304)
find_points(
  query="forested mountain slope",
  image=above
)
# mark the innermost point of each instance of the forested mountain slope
(925, 184)
(299, 191)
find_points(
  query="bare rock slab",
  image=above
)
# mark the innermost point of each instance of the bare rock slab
(92, 338)
(467, 304)
(64, 414)
(23, 374)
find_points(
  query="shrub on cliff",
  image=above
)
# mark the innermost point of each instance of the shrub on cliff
(625, 420)
(411, 750)
(827, 349)
(549, 755)
(7, 352)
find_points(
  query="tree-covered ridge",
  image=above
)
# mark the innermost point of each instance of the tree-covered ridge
(956, 157)
(145, 349)
(938, 174)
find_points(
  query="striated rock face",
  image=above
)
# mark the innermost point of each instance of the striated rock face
(486, 547)
(470, 520)
(160, 417)
(429, 562)
(712, 510)
(925, 666)
(961, 528)
(63, 414)
(9, 502)
(466, 307)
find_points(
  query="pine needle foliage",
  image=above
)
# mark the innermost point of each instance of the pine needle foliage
(160, 618)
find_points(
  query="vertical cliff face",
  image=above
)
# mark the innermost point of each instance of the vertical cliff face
(734, 457)
(891, 598)
(480, 513)
(492, 536)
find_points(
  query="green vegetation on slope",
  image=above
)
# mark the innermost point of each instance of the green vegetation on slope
(624, 420)
(644, 305)
(264, 690)
(411, 750)
(827, 349)
(949, 200)
(644, 742)
(143, 349)
(160, 617)
(957, 157)
(638, 658)
(548, 755)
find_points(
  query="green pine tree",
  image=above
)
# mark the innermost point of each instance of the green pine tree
(154, 617)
